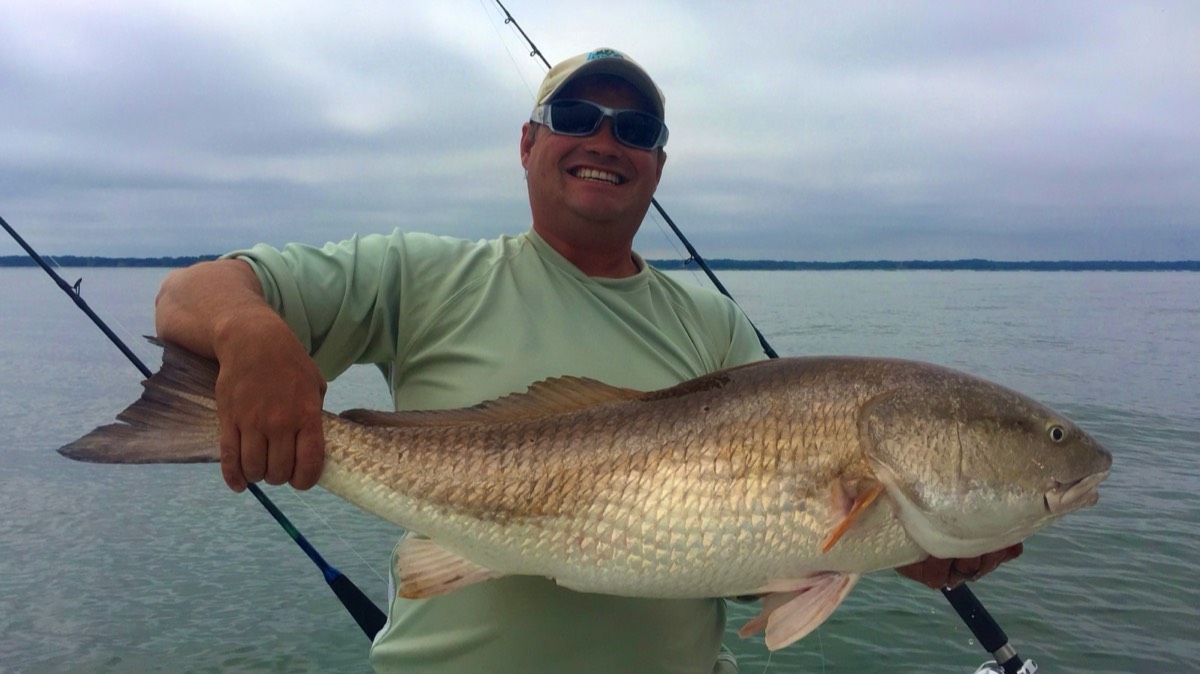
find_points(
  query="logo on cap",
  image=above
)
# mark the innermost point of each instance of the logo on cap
(605, 54)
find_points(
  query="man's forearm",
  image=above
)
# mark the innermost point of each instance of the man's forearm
(201, 306)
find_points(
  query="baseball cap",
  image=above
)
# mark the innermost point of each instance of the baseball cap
(602, 61)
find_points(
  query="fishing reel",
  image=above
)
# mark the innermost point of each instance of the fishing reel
(992, 667)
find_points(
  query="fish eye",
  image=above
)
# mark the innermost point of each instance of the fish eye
(1057, 433)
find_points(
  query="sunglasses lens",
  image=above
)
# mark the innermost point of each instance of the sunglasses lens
(638, 129)
(575, 117)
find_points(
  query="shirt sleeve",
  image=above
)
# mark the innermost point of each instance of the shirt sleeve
(744, 346)
(340, 299)
(730, 332)
(364, 299)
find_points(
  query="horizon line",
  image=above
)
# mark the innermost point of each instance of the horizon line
(971, 263)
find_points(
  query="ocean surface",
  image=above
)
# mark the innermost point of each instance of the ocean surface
(162, 569)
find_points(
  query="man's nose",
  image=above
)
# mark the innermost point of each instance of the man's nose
(605, 136)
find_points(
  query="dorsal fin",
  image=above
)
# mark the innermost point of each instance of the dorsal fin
(559, 395)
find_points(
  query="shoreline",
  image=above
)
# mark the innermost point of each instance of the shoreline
(973, 264)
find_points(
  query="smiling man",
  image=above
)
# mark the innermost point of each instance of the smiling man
(589, 187)
(452, 323)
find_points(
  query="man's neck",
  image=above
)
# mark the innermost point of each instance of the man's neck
(603, 260)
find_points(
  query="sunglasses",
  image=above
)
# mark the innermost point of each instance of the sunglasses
(572, 117)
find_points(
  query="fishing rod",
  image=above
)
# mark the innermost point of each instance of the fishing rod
(364, 611)
(965, 603)
(991, 637)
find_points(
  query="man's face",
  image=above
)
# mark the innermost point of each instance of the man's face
(593, 185)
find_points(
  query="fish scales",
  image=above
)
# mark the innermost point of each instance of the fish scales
(541, 481)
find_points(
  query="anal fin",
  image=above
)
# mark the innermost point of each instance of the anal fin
(426, 569)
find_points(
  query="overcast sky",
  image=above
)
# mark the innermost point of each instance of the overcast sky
(799, 130)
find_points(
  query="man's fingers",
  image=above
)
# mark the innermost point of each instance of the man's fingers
(931, 571)
(965, 569)
(271, 421)
(231, 457)
(991, 561)
(974, 568)
(281, 457)
(940, 573)
(936, 572)
(1014, 552)
(254, 456)
(251, 457)
(310, 456)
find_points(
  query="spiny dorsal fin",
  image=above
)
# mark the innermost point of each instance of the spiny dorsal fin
(544, 398)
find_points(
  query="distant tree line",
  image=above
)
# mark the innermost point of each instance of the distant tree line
(93, 261)
(973, 264)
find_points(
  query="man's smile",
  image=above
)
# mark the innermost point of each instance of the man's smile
(587, 173)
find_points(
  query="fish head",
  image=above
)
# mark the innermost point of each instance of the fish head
(974, 467)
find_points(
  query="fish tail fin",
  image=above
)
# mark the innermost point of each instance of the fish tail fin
(174, 420)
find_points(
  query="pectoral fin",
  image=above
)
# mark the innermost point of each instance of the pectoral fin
(854, 503)
(789, 615)
(426, 569)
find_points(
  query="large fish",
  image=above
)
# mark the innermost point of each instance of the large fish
(787, 478)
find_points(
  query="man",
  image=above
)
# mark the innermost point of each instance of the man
(453, 323)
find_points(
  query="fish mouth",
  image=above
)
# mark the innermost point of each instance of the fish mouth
(1067, 496)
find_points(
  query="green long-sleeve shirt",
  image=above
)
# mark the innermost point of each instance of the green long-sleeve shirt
(453, 323)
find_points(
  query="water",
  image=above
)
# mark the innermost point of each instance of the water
(160, 568)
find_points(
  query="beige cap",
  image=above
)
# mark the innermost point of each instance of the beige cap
(602, 62)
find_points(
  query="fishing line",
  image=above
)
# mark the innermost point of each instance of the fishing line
(770, 655)
(821, 649)
(672, 243)
(364, 611)
(330, 527)
(965, 603)
(511, 57)
(508, 18)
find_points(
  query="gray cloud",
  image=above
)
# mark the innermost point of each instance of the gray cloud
(801, 131)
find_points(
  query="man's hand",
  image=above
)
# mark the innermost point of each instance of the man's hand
(269, 391)
(939, 573)
(269, 398)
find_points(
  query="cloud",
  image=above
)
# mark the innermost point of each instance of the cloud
(805, 131)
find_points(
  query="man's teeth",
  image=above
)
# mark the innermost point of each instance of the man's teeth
(594, 174)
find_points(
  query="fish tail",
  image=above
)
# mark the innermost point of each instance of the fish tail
(174, 420)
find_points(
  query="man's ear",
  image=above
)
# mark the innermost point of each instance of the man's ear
(528, 135)
(662, 160)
